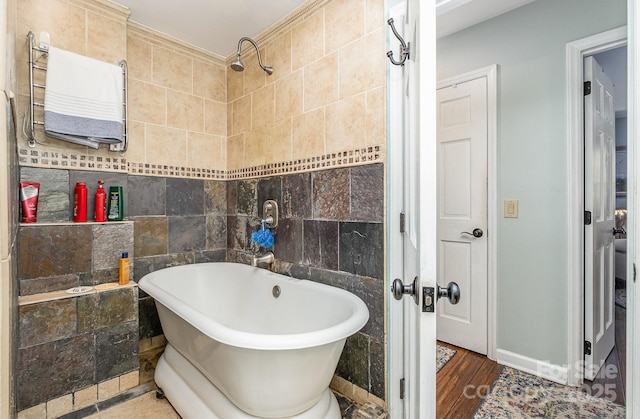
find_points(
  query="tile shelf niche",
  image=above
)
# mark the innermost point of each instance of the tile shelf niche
(61, 295)
(72, 223)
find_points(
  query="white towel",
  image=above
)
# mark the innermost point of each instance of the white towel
(83, 99)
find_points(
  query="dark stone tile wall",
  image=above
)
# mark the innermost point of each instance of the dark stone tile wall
(71, 343)
(146, 195)
(66, 345)
(175, 221)
(331, 231)
(55, 368)
(54, 251)
(53, 200)
(185, 196)
(58, 257)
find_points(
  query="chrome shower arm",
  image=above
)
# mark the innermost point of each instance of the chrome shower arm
(269, 70)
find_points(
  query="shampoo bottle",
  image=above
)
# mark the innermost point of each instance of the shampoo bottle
(115, 206)
(101, 202)
(29, 192)
(124, 269)
(80, 203)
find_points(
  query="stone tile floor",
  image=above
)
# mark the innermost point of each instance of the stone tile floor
(146, 406)
(141, 403)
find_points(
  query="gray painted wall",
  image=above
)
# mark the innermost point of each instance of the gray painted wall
(614, 63)
(528, 44)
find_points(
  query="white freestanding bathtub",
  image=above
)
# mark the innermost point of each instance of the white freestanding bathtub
(244, 342)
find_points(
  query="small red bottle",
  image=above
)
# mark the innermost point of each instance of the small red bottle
(80, 203)
(100, 214)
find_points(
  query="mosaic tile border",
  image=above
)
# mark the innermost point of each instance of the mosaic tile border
(148, 169)
(70, 160)
(366, 155)
(77, 161)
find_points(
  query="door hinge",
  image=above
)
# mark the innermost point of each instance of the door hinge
(402, 389)
(587, 218)
(634, 272)
(402, 218)
(587, 88)
(587, 347)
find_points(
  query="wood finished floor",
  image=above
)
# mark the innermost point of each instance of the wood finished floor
(467, 377)
(458, 380)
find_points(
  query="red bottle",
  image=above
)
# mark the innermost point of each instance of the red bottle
(80, 203)
(100, 213)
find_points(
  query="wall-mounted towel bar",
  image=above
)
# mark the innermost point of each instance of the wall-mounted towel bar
(36, 54)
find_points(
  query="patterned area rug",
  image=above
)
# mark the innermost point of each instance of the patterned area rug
(443, 355)
(516, 394)
(621, 297)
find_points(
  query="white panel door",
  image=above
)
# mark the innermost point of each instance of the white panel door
(413, 171)
(599, 184)
(421, 188)
(462, 209)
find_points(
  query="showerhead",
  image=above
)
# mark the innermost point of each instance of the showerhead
(237, 63)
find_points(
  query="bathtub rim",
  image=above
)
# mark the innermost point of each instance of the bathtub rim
(249, 340)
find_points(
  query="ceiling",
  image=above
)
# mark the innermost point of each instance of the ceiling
(213, 25)
(217, 25)
(456, 15)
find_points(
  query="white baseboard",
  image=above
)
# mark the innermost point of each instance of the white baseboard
(542, 369)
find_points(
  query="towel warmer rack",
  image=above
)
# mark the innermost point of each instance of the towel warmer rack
(33, 66)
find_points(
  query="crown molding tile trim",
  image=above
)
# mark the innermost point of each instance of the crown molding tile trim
(286, 23)
(163, 40)
(105, 7)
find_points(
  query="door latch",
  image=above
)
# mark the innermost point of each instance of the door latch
(428, 300)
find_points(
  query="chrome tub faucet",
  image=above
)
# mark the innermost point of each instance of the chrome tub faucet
(268, 258)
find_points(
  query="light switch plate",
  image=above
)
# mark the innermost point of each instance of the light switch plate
(511, 208)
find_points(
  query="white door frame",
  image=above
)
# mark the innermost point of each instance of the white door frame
(491, 73)
(395, 197)
(633, 154)
(575, 53)
(575, 214)
(420, 397)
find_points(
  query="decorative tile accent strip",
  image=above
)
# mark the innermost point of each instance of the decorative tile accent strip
(77, 161)
(67, 160)
(367, 155)
(175, 171)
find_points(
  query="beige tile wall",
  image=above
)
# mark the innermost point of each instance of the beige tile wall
(178, 111)
(327, 92)
(326, 95)
(177, 93)
(96, 29)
